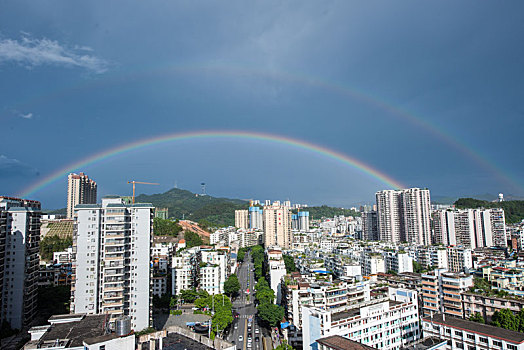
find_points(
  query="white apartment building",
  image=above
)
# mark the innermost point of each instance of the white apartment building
(404, 215)
(459, 259)
(181, 273)
(471, 228)
(80, 190)
(388, 216)
(277, 270)
(398, 262)
(373, 263)
(63, 257)
(242, 219)
(434, 256)
(277, 226)
(389, 323)
(112, 245)
(19, 270)
(468, 335)
(416, 214)
(214, 270)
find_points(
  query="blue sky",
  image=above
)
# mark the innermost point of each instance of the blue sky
(77, 78)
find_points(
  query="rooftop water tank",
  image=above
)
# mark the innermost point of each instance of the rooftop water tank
(123, 326)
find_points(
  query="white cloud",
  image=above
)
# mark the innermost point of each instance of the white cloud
(36, 52)
(26, 116)
(13, 167)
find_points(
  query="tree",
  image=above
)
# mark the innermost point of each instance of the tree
(241, 254)
(165, 227)
(232, 285)
(289, 261)
(505, 319)
(520, 318)
(52, 244)
(188, 295)
(270, 313)
(265, 295)
(284, 346)
(417, 268)
(477, 317)
(192, 239)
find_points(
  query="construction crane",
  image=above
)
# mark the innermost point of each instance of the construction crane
(139, 182)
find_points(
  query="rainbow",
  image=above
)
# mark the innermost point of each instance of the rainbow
(283, 140)
(411, 118)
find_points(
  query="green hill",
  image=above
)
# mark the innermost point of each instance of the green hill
(513, 210)
(191, 206)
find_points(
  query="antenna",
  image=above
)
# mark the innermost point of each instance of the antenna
(203, 186)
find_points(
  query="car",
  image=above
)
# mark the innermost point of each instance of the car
(248, 345)
(257, 339)
(257, 331)
(249, 339)
(240, 338)
(236, 326)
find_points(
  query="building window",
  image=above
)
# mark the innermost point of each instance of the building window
(471, 336)
(459, 333)
(511, 347)
(483, 340)
(497, 343)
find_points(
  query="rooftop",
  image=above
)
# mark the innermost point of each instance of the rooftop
(73, 333)
(492, 331)
(340, 343)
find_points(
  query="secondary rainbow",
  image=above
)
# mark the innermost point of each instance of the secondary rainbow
(302, 79)
(326, 152)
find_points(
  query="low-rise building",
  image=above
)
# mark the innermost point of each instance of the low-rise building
(78, 331)
(469, 335)
(387, 323)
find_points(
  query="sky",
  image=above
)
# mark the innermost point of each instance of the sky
(428, 93)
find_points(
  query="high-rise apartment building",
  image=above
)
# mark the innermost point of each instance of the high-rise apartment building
(80, 190)
(416, 214)
(404, 215)
(470, 228)
(256, 219)
(370, 225)
(112, 250)
(19, 246)
(388, 215)
(242, 219)
(277, 226)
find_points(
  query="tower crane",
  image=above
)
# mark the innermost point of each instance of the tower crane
(139, 182)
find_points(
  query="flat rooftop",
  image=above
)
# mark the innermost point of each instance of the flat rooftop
(479, 328)
(340, 343)
(91, 326)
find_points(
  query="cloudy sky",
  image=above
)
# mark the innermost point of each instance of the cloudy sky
(428, 93)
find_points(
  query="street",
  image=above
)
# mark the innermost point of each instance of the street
(246, 310)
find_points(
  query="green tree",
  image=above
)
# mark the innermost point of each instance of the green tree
(192, 239)
(166, 227)
(204, 224)
(477, 317)
(284, 346)
(232, 285)
(270, 313)
(520, 318)
(289, 261)
(417, 268)
(241, 254)
(188, 295)
(505, 319)
(52, 244)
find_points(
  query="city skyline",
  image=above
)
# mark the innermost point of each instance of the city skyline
(428, 101)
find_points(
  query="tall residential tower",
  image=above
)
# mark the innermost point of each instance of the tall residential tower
(80, 190)
(19, 246)
(111, 269)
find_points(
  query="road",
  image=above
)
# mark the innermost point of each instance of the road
(246, 309)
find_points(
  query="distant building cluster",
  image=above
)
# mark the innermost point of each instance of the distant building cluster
(400, 274)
